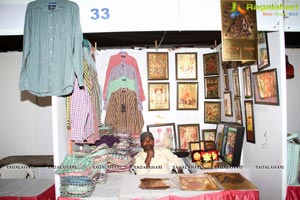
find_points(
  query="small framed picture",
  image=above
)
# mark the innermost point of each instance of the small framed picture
(164, 134)
(188, 133)
(247, 80)
(227, 103)
(266, 87)
(158, 65)
(186, 66)
(158, 96)
(238, 111)
(236, 83)
(194, 146)
(211, 63)
(212, 112)
(187, 96)
(263, 60)
(211, 87)
(249, 117)
(219, 136)
(209, 135)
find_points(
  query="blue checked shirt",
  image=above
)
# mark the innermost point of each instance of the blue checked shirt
(52, 48)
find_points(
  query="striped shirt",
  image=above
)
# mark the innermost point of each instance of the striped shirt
(52, 48)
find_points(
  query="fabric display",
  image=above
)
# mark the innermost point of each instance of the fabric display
(52, 48)
(123, 94)
(81, 171)
(83, 106)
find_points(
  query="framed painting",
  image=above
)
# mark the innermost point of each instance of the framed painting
(212, 112)
(194, 146)
(158, 65)
(263, 60)
(266, 87)
(187, 96)
(236, 83)
(227, 103)
(188, 133)
(209, 135)
(158, 96)
(186, 66)
(249, 117)
(247, 80)
(164, 134)
(225, 79)
(219, 136)
(233, 144)
(211, 63)
(238, 111)
(211, 87)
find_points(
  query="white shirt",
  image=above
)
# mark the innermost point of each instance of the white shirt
(160, 163)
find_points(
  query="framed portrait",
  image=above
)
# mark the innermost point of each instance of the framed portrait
(209, 135)
(236, 83)
(263, 58)
(249, 117)
(211, 63)
(187, 96)
(186, 66)
(247, 80)
(212, 112)
(188, 133)
(211, 87)
(158, 96)
(266, 87)
(164, 134)
(238, 110)
(158, 65)
(227, 103)
(233, 144)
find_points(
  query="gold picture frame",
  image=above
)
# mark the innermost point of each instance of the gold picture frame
(159, 94)
(227, 103)
(236, 83)
(158, 65)
(187, 96)
(238, 110)
(186, 66)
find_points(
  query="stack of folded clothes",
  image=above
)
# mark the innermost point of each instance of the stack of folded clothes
(80, 171)
(120, 159)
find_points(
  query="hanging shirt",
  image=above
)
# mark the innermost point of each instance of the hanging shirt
(52, 48)
(116, 60)
(122, 112)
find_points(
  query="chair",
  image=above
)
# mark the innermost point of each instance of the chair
(16, 170)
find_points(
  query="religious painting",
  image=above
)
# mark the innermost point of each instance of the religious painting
(247, 80)
(164, 134)
(212, 112)
(211, 64)
(188, 133)
(265, 87)
(187, 96)
(186, 66)
(158, 96)
(158, 65)
(211, 87)
(249, 117)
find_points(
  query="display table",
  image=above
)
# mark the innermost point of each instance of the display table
(27, 189)
(126, 186)
(293, 192)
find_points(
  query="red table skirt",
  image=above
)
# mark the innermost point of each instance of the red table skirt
(292, 193)
(223, 195)
(48, 194)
